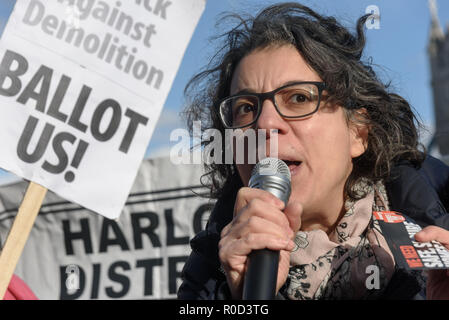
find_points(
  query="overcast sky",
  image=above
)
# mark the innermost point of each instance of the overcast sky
(399, 47)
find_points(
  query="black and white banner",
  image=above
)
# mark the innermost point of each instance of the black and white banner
(73, 253)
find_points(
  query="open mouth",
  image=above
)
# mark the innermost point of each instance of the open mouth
(292, 165)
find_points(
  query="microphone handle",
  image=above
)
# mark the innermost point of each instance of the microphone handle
(261, 276)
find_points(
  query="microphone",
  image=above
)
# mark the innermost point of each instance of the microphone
(272, 175)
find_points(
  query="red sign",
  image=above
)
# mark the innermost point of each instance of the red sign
(389, 216)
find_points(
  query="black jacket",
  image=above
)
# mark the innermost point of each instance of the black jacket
(422, 194)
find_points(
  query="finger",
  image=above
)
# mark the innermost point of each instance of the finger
(245, 195)
(293, 213)
(225, 230)
(260, 208)
(256, 224)
(433, 233)
(255, 241)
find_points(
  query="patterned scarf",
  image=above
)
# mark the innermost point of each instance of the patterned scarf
(339, 265)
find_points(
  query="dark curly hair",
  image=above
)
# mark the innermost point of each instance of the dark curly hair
(335, 54)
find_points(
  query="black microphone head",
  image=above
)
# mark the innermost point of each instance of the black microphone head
(272, 175)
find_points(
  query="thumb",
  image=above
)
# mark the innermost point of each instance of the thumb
(293, 212)
(433, 233)
(423, 236)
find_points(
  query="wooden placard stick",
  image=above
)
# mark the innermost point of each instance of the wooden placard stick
(19, 233)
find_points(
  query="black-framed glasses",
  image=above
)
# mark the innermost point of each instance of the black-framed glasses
(294, 100)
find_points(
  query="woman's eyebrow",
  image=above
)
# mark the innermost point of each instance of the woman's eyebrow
(249, 90)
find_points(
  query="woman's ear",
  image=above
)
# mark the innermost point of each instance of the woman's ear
(359, 129)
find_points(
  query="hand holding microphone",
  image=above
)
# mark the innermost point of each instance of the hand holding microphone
(258, 224)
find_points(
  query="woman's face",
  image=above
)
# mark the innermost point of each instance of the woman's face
(318, 149)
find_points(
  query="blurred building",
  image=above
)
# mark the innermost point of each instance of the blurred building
(438, 50)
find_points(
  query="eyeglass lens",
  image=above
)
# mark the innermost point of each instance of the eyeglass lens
(293, 101)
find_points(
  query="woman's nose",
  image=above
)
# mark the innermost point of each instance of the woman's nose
(269, 119)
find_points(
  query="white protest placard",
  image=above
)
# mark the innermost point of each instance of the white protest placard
(82, 85)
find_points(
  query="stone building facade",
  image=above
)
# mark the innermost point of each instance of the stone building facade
(438, 50)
